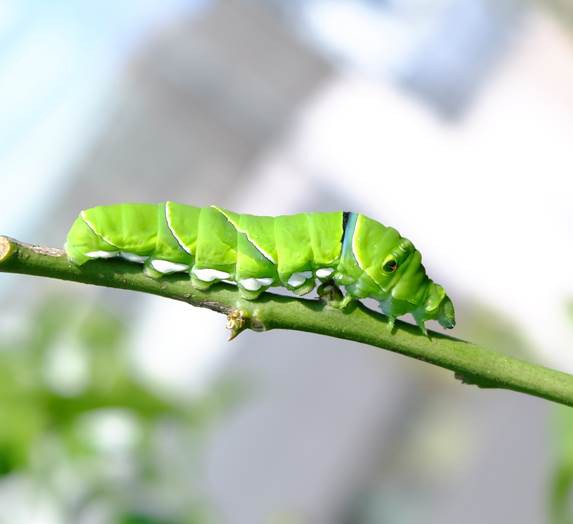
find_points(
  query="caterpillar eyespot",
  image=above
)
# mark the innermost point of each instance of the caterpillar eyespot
(213, 244)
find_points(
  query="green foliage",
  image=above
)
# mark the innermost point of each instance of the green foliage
(561, 483)
(489, 327)
(67, 377)
(561, 486)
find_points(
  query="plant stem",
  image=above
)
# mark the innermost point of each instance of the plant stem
(471, 363)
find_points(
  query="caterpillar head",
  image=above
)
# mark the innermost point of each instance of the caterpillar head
(395, 267)
(411, 290)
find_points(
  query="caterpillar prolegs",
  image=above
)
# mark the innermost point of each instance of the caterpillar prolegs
(212, 244)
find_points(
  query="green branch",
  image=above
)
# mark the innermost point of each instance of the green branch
(472, 364)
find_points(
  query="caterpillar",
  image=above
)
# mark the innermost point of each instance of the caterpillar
(212, 244)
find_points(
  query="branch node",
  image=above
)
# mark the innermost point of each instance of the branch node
(236, 323)
(238, 320)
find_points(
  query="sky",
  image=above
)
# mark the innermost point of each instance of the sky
(58, 63)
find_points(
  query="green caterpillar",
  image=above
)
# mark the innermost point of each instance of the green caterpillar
(362, 256)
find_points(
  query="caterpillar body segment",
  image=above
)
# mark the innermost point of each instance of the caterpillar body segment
(212, 244)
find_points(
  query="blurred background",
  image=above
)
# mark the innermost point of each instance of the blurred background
(451, 120)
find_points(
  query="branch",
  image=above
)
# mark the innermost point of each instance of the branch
(471, 363)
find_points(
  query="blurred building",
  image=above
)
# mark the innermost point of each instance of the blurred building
(332, 432)
(194, 110)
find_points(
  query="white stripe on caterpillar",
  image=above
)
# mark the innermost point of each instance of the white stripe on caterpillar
(324, 272)
(164, 266)
(132, 257)
(170, 227)
(298, 279)
(208, 275)
(254, 284)
(102, 254)
(94, 230)
(245, 232)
